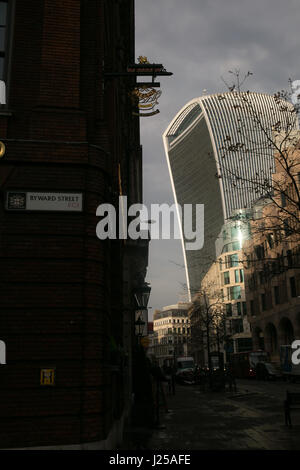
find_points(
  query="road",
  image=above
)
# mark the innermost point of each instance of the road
(272, 389)
(250, 419)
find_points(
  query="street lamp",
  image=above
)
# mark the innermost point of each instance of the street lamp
(139, 324)
(141, 296)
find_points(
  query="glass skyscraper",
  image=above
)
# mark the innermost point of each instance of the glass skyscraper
(215, 146)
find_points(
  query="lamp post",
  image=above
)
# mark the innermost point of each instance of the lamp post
(139, 328)
(142, 385)
(141, 296)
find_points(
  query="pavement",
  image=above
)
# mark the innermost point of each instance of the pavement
(250, 419)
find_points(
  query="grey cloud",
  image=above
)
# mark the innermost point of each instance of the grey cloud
(200, 40)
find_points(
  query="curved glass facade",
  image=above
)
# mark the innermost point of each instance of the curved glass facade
(211, 141)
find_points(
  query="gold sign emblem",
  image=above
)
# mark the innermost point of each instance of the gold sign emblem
(143, 60)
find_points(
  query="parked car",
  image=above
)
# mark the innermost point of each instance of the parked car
(185, 370)
(267, 371)
(185, 376)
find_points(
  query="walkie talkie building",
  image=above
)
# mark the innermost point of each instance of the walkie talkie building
(216, 146)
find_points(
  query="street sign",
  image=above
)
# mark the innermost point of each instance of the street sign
(47, 377)
(43, 201)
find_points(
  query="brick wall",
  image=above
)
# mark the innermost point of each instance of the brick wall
(60, 287)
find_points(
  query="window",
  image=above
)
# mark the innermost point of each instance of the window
(234, 260)
(283, 199)
(293, 287)
(226, 277)
(263, 302)
(235, 292)
(239, 308)
(234, 232)
(259, 251)
(261, 276)
(237, 326)
(270, 238)
(236, 246)
(229, 310)
(239, 275)
(289, 257)
(226, 248)
(276, 295)
(244, 305)
(231, 261)
(287, 227)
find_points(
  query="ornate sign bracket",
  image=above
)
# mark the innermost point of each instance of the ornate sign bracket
(144, 96)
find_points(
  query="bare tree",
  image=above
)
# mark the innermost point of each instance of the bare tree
(276, 182)
(207, 320)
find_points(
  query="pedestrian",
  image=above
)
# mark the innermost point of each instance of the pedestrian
(167, 370)
(230, 378)
(159, 378)
(173, 376)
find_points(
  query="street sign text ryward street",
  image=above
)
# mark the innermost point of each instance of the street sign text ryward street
(43, 201)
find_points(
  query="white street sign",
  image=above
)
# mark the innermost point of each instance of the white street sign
(43, 201)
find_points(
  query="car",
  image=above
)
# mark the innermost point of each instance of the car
(267, 371)
(185, 376)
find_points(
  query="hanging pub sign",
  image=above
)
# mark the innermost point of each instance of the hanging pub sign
(146, 99)
(43, 201)
(144, 96)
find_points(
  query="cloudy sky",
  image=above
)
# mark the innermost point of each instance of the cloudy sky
(200, 41)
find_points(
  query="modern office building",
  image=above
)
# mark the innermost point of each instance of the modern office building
(214, 146)
(235, 232)
(222, 295)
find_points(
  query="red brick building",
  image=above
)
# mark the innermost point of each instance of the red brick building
(66, 299)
